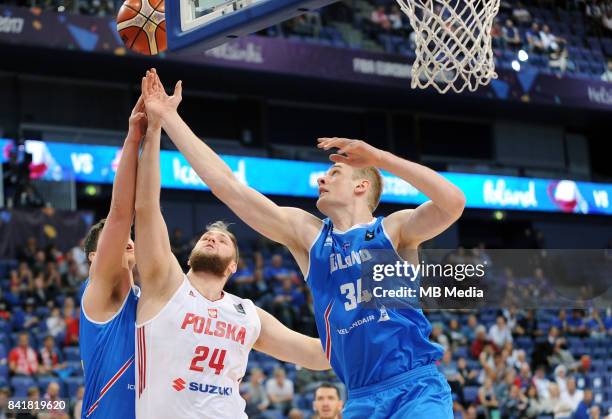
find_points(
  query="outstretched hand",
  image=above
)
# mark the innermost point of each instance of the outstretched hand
(156, 100)
(138, 120)
(355, 153)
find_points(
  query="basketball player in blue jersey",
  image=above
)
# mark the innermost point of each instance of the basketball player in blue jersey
(109, 297)
(384, 357)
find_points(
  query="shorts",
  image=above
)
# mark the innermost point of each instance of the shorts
(419, 393)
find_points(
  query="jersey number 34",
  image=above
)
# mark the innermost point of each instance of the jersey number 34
(353, 295)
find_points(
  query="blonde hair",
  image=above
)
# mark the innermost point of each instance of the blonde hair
(223, 227)
(372, 174)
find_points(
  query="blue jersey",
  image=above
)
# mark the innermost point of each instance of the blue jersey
(365, 346)
(107, 354)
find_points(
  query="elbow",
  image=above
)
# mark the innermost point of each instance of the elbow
(457, 204)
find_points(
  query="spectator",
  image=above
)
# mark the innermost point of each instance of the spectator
(561, 378)
(528, 325)
(73, 277)
(30, 320)
(438, 336)
(572, 396)
(23, 359)
(515, 404)
(4, 398)
(280, 391)
(479, 342)
(4, 313)
(380, 18)
(72, 325)
(276, 272)
(242, 281)
(535, 406)
(534, 40)
(560, 409)
(456, 336)
(606, 21)
(450, 371)
(497, 35)
(327, 403)
(41, 295)
(50, 358)
(395, 19)
(56, 325)
(255, 394)
(550, 42)
(511, 35)
(561, 356)
(78, 404)
(487, 399)
(295, 414)
(53, 395)
(576, 325)
(78, 255)
(469, 376)
(34, 397)
(469, 330)
(26, 254)
(541, 383)
(582, 411)
(525, 376)
(500, 333)
(521, 14)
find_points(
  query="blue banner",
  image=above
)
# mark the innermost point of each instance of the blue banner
(97, 164)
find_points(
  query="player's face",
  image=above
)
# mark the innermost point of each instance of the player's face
(129, 256)
(336, 187)
(214, 253)
(326, 403)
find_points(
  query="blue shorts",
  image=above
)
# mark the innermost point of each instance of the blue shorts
(420, 393)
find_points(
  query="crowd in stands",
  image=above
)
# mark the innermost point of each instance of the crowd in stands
(499, 363)
(560, 36)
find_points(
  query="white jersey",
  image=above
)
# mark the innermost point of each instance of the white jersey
(192, 356)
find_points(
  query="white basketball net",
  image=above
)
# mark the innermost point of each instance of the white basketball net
(453, 43)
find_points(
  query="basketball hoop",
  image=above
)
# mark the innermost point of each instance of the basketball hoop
(453, 43)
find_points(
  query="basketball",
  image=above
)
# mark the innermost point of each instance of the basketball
(142, 26)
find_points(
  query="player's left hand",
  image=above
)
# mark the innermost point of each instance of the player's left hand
(138, 120)
(355, 153)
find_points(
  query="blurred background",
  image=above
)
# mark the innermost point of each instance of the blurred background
(67, 86)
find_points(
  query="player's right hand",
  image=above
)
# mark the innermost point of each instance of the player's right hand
(157, 102)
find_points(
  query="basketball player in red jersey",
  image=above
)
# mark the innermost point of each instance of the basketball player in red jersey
(192, 338)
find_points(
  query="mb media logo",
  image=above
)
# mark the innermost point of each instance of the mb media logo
(179, 384)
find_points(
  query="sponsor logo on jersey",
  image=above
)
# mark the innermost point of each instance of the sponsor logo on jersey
(369, 235)
(191, 294)
(211, 327)
(179, 384)
(212, 312)
(328, 241)
(239, 308)
(384, 316)
(210, 389)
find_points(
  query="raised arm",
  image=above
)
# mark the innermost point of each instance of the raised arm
(292, 227)
(278, 341)
(408, 228)
(160, 272)
(108, 265)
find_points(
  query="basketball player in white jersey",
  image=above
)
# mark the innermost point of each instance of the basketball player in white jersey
(192, 338)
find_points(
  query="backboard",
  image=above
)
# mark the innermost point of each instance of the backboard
(204, 24)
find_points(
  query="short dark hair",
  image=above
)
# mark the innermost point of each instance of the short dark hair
(328, 385)
(91, 240)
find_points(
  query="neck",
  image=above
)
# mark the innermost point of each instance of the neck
(207, 284)
(345, 217)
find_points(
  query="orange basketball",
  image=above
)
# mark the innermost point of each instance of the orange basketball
(142, 26)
